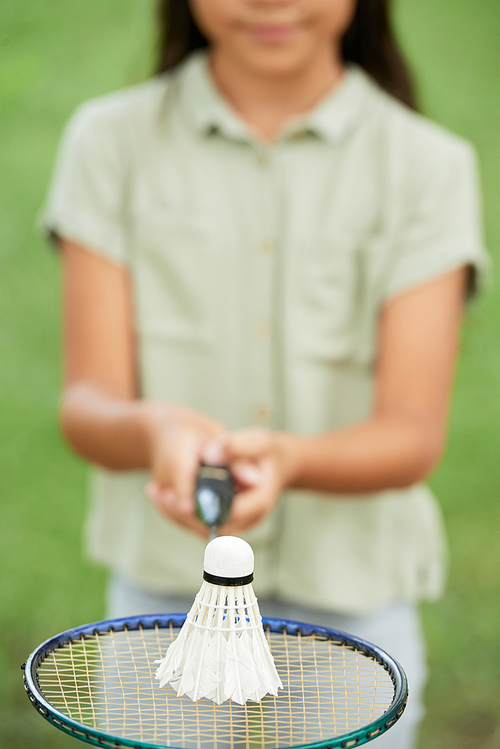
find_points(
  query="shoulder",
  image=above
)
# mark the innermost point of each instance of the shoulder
(129, 111)
(410, 139)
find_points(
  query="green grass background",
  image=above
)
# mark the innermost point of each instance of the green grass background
(53, 55)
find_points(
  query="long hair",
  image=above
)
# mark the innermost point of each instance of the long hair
(369, 41)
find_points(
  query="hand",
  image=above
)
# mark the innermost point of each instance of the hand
(263, 464)
(176, 437)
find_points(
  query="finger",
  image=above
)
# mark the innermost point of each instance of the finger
(184, 462)
(168, 505)
(247, 443)
(151, 489)
(164, 498)
(247, 473)
(237, 527)
(249, 508)
(213, 453)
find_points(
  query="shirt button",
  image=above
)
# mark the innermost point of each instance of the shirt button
(262, 413)
(267, 247)
(262, 329)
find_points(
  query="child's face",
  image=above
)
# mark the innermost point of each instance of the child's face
(274, 36)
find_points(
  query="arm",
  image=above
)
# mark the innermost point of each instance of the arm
(102, 417)
(402, 440)
(401, 443)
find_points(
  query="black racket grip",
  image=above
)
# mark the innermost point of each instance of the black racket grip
(213, 495)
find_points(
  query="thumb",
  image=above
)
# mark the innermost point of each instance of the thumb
(247, 472)
(249, 444)
(241, 449)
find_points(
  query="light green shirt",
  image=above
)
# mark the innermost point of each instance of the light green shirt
(258, 274)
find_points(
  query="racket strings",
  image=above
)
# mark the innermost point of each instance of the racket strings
(106, 682)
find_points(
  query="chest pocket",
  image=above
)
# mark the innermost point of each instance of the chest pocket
(330, 289)
(175, 277)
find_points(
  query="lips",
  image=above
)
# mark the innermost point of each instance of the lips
(273, 34)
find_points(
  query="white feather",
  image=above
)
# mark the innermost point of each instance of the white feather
(221, 651)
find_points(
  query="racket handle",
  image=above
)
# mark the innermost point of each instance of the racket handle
(213, 496)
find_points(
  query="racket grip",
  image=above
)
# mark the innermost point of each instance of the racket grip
(213, 496)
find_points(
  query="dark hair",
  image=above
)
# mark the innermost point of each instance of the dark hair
(369, 41)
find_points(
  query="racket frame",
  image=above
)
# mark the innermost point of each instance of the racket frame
(107, 741)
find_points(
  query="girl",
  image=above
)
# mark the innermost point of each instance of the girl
(266, 254)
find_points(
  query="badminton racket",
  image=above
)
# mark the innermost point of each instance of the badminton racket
(96, 683)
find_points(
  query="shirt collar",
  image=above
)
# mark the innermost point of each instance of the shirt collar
(208, 112)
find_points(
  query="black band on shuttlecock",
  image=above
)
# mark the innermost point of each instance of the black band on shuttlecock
(227, 581)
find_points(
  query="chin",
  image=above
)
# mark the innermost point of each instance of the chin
(276, 60)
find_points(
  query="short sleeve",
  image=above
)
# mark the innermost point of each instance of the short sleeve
(442, 226)
(86, 198)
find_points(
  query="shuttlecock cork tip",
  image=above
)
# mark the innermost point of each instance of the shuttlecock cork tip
(228, 561)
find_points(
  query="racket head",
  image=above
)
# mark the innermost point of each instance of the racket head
(295, 646)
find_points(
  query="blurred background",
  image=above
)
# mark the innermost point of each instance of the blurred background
(55, 54)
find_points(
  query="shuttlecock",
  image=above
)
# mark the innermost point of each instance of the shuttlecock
(221, 651)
